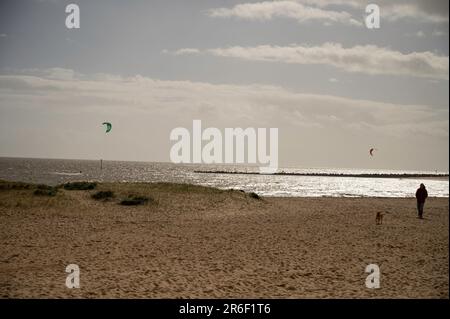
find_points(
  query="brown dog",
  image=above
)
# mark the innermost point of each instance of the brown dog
(379, 218)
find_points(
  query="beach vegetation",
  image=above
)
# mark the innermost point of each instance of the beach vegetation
(254, 195)
(45, 190)
(81, 186)
(5, 185)
(134, 200)
(103, 195)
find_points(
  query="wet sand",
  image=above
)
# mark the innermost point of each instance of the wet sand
(197, 242)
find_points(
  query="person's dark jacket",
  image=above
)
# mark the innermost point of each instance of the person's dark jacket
(421, 195)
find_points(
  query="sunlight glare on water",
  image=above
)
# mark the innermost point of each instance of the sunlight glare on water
(53, 172)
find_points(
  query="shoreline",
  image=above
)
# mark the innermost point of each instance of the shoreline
(32, 185)
(374, 175)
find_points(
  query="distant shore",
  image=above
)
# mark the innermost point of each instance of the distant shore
(162, 240)
(374, 175)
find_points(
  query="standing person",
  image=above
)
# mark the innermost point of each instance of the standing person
(421, 195)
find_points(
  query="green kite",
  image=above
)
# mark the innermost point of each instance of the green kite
(108, 126)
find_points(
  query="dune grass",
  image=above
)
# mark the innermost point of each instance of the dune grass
(80, 186)
(254, 195)
(103, 195)
(6, 185)
(45, 190)
(134, 200)
(29, 195)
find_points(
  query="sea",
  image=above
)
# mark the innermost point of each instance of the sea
(59, 171)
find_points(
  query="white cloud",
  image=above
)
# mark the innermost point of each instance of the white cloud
(60, 74)
(179, 98)
(268, 10)
(326, 3)
(432, 11)
(395, 12)
(182, 51)
(423, 10)
(368, 59)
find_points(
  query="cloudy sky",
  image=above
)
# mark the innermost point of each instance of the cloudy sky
(310, 68)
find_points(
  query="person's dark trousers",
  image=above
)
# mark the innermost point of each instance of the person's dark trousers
(420, 208)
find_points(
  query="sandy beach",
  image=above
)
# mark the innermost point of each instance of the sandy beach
(196, 242)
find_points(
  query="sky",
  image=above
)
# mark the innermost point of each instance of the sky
(312, 69)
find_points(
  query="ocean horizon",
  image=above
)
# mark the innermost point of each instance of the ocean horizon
(292, 181)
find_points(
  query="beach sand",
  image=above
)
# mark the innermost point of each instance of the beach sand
(197, 242)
